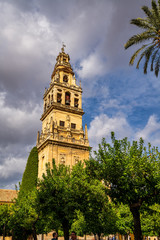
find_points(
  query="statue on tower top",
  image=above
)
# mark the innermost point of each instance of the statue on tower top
(63, 46)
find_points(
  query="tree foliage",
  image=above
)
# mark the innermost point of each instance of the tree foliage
(131, 174)
(124, 219)
(26, 217)
(4, 220)
(63, 192)
(150, 51)
(30, 175)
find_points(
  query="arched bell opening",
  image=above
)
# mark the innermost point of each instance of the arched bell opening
(67, 98)
(59, 97)
(65, 78)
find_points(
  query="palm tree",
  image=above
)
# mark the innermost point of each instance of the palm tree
(149, 52)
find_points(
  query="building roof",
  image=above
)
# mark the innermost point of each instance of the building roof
(7, 195)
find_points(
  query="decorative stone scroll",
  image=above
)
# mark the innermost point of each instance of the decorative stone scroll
(62, 158)
(76, 159)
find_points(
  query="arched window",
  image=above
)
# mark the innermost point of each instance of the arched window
(67, 98)
(59, 97)
(76, 102)
(65, 78)
(49, 99)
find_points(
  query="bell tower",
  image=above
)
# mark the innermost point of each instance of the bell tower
(62, 136)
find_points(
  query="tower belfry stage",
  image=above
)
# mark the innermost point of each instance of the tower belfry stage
(62, 136)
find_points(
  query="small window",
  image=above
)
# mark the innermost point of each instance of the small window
(61, 137)
(65, 78)
(59, 97)
(76, 102)
(73, 125)
(61, 123)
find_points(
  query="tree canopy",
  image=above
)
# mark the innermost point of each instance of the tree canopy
(63, 192)
(131, 174)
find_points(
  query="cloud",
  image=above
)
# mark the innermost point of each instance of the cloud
(16, 124)
(151, 132)
(102, 126)
(91, 67)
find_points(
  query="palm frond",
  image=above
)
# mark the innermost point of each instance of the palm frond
(148, 53)
(142, 23)
(135, 54)
(155, 8)
(139, 38)
(142, 55)
(147, 11)
(153, 58)
(150, 36)
(157, 65)
(152, 19)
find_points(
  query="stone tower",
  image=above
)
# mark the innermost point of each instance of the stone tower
(62, 136)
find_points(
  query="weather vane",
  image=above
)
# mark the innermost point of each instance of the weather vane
(63, 46)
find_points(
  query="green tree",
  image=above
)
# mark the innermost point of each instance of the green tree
(149, 51)
(26, 217)
(30, 175)
(62, 192)
(131, 175)
(4, 219)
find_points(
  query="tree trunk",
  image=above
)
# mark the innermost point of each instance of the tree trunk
(65, 226)
(34, 233)
(126, 237)
(13, 235)
(99, 236)
(4, 231)
(137, 224)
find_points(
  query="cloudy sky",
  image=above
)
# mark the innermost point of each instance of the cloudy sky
(116, 97)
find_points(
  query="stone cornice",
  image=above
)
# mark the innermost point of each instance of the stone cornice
(63, 108)
(63, 144)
